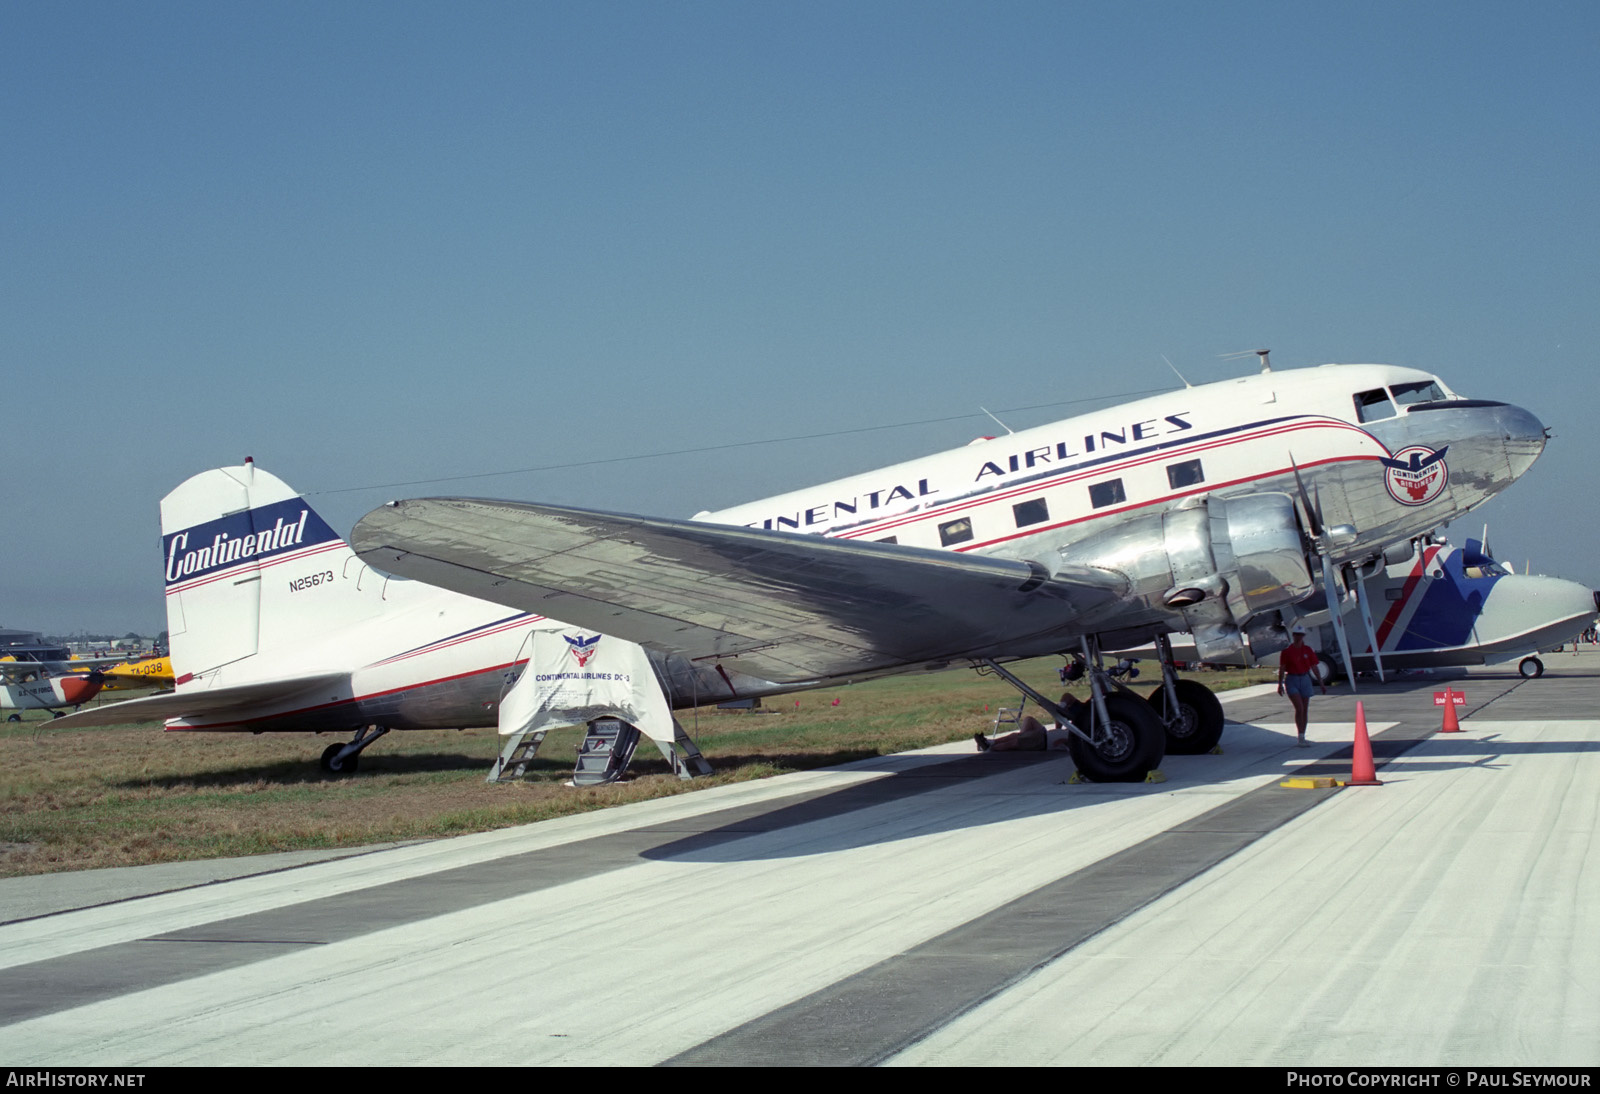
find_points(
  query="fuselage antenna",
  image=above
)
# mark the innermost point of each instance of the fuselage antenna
(997, 421)
(1175, 371)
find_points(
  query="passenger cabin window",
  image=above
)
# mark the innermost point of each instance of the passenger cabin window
(1187, 473)
(1102, 494)
(1034, 511)
(955, 531)
(1422, 391)
(1372, 406)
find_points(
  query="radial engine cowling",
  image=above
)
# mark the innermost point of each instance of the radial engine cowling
(1208, 567)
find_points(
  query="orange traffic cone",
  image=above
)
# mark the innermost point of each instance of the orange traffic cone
(1362, 773)
(1450, 723)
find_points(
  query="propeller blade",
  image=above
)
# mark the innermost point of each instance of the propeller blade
(1313, 512)
(1366, 619)
(1335, 616)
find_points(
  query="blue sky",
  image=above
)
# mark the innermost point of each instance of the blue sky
(380, 243)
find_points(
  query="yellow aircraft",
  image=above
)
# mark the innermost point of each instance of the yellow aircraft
(153, 672)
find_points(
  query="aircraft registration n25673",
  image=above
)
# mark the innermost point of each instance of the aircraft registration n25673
(1214, 510)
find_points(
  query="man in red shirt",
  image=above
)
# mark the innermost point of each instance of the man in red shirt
(1295, 666)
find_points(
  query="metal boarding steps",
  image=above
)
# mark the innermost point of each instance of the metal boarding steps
(512, 763)
(691, 762)
(606, 750)
(604, 755)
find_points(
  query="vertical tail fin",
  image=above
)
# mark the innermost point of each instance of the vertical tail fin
(239, 547)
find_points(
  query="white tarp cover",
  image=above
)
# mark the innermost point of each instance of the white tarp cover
(576, 676)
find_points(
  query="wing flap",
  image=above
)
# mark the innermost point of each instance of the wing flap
(789, 606)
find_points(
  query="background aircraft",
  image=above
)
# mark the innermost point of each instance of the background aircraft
(24, 686)
(1450, 605)
(1209, 510)
(151, 672)
(40, 675)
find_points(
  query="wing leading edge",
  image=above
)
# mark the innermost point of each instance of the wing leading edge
(790, 607)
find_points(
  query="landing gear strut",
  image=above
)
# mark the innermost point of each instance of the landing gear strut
(1116, 736)
(1189, 711)
(344, 759)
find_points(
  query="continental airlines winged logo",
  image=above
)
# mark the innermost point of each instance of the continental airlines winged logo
(1416, 475)
(582, 648)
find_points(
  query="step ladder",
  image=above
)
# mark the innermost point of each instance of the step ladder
(519, 751)
(685, 758)
(1008, 716)
(607, 747)
(600, 757)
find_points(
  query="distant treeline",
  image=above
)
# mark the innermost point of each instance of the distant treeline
(82, 638)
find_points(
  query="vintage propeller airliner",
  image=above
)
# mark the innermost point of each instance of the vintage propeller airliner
(1213, 510)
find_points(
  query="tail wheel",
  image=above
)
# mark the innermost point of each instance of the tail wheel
(1198, 725)
(335, 766)
(1129, 748)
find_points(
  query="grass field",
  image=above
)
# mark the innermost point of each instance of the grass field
(123, 796)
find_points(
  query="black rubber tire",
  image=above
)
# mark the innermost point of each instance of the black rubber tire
(1202, 722)
(1531, 668)
(1137, 742)
(334, 766)
(14, 718)
(1324, 674)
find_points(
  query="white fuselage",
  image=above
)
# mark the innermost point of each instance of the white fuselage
(416, 656)
(1245, 435)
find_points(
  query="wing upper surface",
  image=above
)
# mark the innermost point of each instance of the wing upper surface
(789, 606)
(11, 670)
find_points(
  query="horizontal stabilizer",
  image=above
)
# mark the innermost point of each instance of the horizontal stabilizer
(788, 606)
(242, 702)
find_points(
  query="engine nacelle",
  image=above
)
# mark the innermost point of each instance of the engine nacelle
(1209, 567)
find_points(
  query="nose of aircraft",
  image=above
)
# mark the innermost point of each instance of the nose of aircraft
(1523, 604)
(1491, 443)
(1525, 437)
(78, 689)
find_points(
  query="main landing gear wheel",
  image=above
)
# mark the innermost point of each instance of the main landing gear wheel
(1531, 668)
(1198, 727)
(335, 766)
(1130, 747)
(1324, 672)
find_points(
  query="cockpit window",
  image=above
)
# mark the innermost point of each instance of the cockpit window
(1373, 405)
(1423, 391)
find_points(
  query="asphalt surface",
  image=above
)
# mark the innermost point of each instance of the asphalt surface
(934, 907)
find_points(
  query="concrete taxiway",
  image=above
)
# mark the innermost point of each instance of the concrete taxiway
(933, 907)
